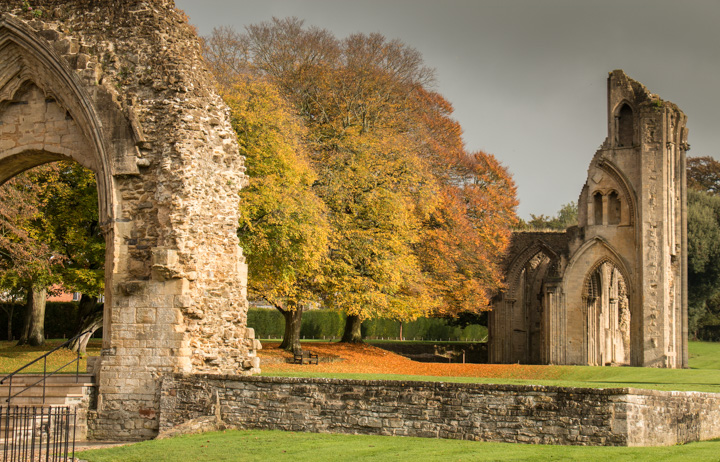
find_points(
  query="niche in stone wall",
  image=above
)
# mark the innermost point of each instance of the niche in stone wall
(598, 207)
(625, 126)
(613, 208)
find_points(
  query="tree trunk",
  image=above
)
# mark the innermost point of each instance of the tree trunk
(86, 307)
(352, 333)
(91, 321)
(27, 318)
(10, 312)
(33, 333)
(293, 321)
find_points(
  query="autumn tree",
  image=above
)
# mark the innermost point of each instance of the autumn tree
(386, 164)
(55, 239)
(703, 174)
(283, 229)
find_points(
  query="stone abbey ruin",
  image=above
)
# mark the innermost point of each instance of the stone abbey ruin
(612, 290)
(120, 87)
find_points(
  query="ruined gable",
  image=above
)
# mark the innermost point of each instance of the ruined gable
(613, 289)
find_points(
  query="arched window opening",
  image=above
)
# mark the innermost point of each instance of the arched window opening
(613, 208)
(625, 126)
(608, 317)
(598, 208)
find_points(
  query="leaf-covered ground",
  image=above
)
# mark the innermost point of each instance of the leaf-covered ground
(366, 362)
(341, 358)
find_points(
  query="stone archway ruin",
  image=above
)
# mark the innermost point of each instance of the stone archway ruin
(121, 88)
(618, 291)
(607, 314)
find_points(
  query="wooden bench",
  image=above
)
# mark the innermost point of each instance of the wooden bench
(305, 357)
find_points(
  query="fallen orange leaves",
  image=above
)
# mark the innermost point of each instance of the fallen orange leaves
(367, 359)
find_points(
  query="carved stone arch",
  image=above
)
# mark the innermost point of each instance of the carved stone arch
(588, 275)
(519, 261)
(607, 314)
(625, 190)
(29, 60)
(609, 254)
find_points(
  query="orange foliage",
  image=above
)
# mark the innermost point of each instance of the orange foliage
(343, 358)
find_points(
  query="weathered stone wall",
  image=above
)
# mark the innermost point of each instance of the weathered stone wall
(506, 413)
(120, 86)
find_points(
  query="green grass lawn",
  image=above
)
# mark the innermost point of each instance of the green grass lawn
(703, 375)
(256, 445)
(277, 446)
(13, 357)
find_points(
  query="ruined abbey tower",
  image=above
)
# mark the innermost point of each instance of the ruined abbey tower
(613, 289)
(120, 86)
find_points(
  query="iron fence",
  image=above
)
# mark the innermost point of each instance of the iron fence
(38, 433)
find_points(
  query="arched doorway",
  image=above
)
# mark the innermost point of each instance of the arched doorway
(168, 174)
(607, 316)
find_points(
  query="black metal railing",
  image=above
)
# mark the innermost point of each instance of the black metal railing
(45, 373)
(38, 433)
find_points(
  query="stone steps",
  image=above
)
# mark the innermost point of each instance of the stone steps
(60, 391)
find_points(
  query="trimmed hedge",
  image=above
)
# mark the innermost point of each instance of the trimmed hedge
(329, 324)
(59, 319)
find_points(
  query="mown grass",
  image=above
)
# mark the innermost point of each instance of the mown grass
(13, 357)
(278, 446)
(257, 445)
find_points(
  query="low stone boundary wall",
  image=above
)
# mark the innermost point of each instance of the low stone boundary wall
(482, 412)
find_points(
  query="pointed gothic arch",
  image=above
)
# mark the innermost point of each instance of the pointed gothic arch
(29, 60)
(624, 125)
(607, 315)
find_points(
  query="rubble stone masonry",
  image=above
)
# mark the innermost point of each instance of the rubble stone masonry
(480, 412)
(120, 87)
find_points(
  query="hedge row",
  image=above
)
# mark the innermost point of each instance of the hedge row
(328, 324)
(60, 319)
(268, 323)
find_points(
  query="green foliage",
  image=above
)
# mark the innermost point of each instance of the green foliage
(317, 324)
(51, 232)
(703, 263)
(328, 324)
(268, 323)
(567, 216)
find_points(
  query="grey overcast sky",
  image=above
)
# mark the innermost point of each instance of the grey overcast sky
(527, 78)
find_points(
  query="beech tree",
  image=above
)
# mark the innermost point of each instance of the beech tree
(390, 164)
(283, 229)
